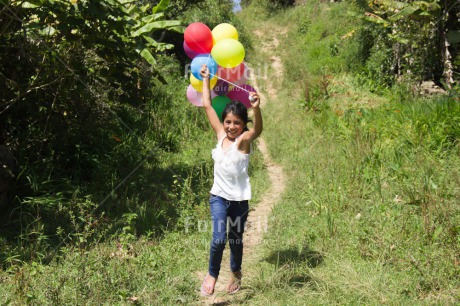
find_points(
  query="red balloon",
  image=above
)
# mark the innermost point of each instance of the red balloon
(198, 37)
(231, 74)
(245, 77)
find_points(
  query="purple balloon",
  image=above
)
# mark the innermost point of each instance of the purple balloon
(239, 94)
(221, 88)
(190, 53)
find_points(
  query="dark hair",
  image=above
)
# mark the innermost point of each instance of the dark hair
(239, 110)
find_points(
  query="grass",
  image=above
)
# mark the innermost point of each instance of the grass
(370, 212)
(366, 223)
(136, 264)
(377, 212)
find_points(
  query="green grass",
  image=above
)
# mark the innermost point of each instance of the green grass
(354, 226)
(127, 268)
(370, 214)
(153, 272)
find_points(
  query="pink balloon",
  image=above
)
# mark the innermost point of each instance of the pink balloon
(231, 74)
(190, 53)
(196, 97)
(238, 94)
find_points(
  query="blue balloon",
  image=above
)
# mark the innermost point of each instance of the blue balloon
(201, 59)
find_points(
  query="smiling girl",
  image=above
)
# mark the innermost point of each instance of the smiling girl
(231, 190)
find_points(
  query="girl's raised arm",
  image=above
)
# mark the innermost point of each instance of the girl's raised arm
(210, 112)
(257, 123)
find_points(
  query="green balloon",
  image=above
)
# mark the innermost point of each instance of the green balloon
(219, 103)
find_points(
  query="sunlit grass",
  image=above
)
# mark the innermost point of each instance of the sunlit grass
(370, 212)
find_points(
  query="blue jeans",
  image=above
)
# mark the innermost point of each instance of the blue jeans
(237, 213)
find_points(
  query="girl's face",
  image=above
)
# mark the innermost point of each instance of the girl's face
(233, 125)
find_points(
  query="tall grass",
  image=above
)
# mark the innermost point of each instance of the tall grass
(374, 193)
(370, 214)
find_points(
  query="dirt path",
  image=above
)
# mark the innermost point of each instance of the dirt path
(258, 216)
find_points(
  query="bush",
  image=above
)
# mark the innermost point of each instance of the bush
(99, 131)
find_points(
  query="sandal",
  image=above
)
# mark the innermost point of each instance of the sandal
(235, 283)
(205, 286)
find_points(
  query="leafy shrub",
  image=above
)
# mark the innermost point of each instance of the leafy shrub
(97, 119)
(412, 41)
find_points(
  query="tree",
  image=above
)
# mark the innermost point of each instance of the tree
(417, 31)
(73, 76)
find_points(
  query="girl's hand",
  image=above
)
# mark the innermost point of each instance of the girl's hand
(204, 71)
(254, 99)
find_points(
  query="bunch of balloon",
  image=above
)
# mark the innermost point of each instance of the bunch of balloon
(224, 55)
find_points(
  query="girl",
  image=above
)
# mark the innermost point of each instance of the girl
(231, 189)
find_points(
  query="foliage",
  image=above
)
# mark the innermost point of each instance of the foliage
(113, 32)
(377, 70)
(273, 6)
(92, 128)
(414, 34)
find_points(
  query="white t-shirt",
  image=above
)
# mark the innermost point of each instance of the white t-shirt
(231, 179)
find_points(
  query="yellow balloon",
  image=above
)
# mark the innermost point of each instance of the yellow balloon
(198, 84)
(222, 31)
(228, 53)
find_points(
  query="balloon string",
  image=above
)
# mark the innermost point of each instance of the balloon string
(230, 83)
(209, 55)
